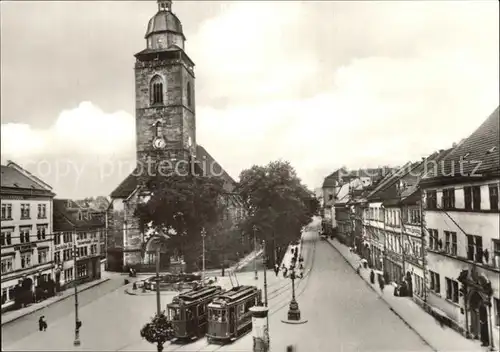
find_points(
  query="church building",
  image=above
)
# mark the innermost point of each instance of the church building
(165, 131)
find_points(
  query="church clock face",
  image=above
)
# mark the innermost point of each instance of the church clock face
(159, 143)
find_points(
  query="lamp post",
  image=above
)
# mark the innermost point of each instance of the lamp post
(293, 310)
(76, 342)
(255, 250)
(264, 260)
(158, 298)
(203, 235)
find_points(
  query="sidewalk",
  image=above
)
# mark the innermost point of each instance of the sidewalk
(13, 315)
(438, 338)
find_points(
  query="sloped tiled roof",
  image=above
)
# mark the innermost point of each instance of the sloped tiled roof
(65, 219)
(14, 179)
(388, 181)
(208, 167)
(480, 150)
(329, 180)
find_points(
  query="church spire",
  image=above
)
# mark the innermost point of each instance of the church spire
(165, 5)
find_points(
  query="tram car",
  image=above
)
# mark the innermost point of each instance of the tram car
(229, 314)
(188, 312)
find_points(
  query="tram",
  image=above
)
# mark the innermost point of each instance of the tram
(229, 314)
(188, 311)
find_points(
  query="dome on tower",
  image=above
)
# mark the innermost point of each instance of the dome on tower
(164, 20)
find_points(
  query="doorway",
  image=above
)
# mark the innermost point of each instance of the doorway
(479, 327)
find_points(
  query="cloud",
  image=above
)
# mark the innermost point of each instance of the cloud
(322, 84)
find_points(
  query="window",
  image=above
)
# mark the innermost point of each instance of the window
(468, 198)
(93, 249)
(67, 255)
(67, 237)
(24, 234)
(156, 90)
(435, 284)
(42, 256)
(82, 270)
(449, 198)
(6, 211)
(80, 216)
(68, 274)
(57, 239)
(6, 237)
(42, 211)
(475, 248)
(493, 197)
(450, 242)
(433, 239)
(431, 200)
(188, 94)
(452, 290)
(40, 232)
(25, 260)
(25, 211)
(7, 264)
(496, 253)
(476, 198)
(57, 257)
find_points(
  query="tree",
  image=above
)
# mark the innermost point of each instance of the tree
(183, 205)
(157, 331)
(278, 204)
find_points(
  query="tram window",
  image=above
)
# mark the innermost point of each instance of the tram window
(175, 313)
(241, 309)
(218, 315)
(201, 310)
(189, 314)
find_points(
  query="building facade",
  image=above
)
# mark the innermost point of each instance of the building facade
(76, 229)
(166, 131)
(26, 237)
(462, 223)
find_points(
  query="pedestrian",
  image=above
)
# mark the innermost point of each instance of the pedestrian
(381, 283)
(285, 271)
(42, 324)
(372, 277)
(276, 269)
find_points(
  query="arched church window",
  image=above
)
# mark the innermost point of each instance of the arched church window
(156, 90)
(188, 93)
(158, 129)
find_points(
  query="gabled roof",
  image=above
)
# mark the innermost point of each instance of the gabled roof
(14, 179)
(28, 174)
(330, 180)
(477, 155)
(387, 182)
(208, 167)
(65, 218)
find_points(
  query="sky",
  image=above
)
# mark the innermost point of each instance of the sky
(320, 84)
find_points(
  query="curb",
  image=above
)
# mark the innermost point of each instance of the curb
(56, 301)
(383, 299)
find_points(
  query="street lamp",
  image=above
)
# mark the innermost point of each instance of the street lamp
(255, 250)
(293, 310)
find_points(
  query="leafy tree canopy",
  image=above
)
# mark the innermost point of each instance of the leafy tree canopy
(181, 206)
(278, 204)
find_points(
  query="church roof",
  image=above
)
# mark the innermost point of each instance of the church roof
(164, 21)
(208, 167)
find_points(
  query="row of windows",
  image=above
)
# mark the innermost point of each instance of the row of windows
(6, 212)
(474, 248)
(393, 216)
(6, 235)
(157, 92)
(67, 254)
(472, 198)
(67, 237)
(9, 264)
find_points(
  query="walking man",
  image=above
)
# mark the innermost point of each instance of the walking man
(381, 283)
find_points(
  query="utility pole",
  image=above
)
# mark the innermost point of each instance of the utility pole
(76, 342)
(203, 234)
(423, 243)
(158, 300)
(255, 250)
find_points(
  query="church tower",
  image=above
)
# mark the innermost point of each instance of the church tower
(164, 89)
